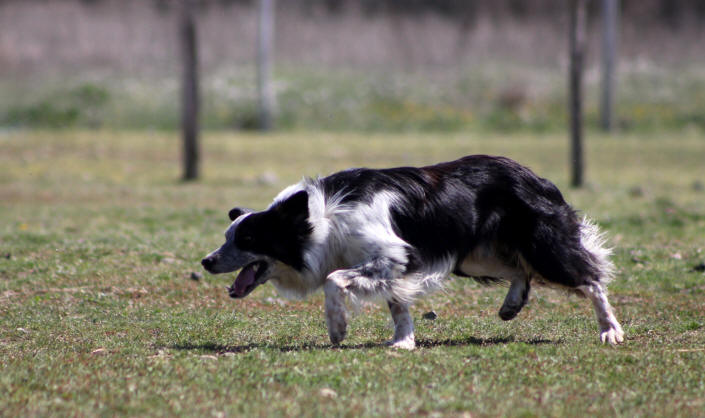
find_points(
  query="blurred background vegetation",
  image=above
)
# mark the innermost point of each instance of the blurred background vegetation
(390, 65)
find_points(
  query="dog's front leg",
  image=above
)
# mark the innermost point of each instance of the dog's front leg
(376, 277)
(403, 326)
(335, 311)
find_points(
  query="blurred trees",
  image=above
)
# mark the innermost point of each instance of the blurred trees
(670, 12)
(433, 65)
(667, 12)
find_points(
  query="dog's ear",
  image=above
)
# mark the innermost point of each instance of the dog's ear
(295, 207)
(237, 212)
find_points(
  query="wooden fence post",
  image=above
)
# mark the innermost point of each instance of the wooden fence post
(189, 90)
(265, 30)
(577, 49)
(610, 19)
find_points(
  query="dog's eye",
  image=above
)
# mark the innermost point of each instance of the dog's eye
(246, 238)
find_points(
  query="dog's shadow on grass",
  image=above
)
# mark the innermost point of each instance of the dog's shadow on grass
(312, 346)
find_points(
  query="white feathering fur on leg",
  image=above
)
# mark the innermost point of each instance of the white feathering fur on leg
(594, 241)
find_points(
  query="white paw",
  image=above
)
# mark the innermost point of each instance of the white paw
(404, 344)
(612, 335)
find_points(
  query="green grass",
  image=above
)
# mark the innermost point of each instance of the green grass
(99, 316)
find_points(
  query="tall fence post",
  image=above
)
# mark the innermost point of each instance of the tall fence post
(610, 19)
(265, 28)
(189, 90)
(577, 50)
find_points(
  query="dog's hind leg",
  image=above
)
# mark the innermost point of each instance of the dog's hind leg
(516, 298)
(610, 330)
(403, 326)
(335, 311)
(576, 257)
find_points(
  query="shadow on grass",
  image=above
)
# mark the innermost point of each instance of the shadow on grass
(483, 342)
(222, 348)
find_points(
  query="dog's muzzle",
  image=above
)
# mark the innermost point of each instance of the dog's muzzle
(209, 263)
(253, 272)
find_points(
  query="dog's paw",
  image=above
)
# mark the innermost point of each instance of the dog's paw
(612, 335)
(337, 326)
(507, 313)
(337, 335)
(404, 344)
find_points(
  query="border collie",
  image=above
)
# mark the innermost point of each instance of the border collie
(401, 232)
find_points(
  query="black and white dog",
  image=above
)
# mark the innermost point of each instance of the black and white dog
(398, 233)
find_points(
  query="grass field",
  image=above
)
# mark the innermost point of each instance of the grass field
(99, 315)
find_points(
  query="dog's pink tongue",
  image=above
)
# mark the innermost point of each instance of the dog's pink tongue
(244, 279)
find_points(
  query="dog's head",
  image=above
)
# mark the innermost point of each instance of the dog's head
(256, 241)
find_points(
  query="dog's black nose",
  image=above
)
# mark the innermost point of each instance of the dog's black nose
(207, 263)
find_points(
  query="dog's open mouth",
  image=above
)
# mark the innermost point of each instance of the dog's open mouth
(248, 279)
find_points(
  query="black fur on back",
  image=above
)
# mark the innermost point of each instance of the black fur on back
(452, 208)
